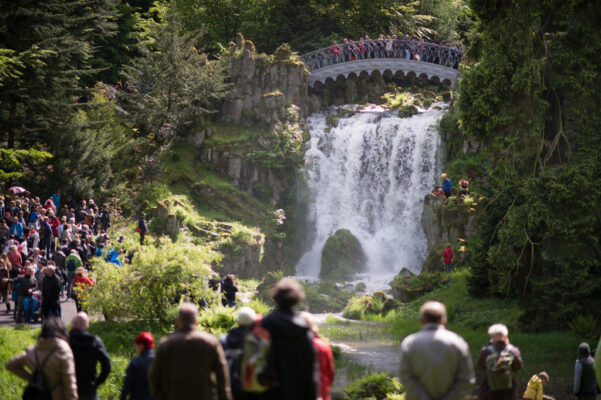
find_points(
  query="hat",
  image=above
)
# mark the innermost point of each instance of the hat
(443, 176)
(145, 339)
(246, 316)
(143, 214)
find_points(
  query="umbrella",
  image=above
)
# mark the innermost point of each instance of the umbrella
(16, 190)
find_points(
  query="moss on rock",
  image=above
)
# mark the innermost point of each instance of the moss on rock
(342, 256)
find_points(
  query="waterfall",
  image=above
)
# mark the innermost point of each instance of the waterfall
(369, 174)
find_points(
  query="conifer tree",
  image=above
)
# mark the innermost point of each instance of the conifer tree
(175, 87)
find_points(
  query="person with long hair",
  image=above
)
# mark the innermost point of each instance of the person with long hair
(53, 356)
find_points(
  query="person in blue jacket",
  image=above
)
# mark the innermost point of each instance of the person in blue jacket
(56, 198)
(16, 229)
(447, 185)
(135, 383)
(30, 304)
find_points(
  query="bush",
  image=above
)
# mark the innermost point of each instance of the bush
(584, 326)
(151, 286)
(217, 319)
(325, 297)
(354, 309)
(378, 386)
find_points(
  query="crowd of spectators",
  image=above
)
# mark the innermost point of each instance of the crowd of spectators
(46, 248)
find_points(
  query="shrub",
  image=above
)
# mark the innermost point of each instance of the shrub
(151, 286)
(354, 309)
(325, 297)
(584, 326)
(217, 319)
(378, 386)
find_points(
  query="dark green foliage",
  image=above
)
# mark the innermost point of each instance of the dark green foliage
(54, 33)
(532, 101)
(176, 87)
(120, 46)
(312, 24)
(92, 153)
(325, 297)
(408, 288)
(341, 256)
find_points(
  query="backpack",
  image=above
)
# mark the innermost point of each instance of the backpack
(71, 265)
(498, 368)
(37, 388)
(254, 358)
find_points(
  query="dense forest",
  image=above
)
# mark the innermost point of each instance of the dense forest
(529, 94)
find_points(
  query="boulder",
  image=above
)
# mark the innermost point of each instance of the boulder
(342, 256)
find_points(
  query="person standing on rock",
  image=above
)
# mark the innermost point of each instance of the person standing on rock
(447, 185)
(447, 256)
(435, 362)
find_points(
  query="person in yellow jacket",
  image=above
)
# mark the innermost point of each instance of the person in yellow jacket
(534, 391)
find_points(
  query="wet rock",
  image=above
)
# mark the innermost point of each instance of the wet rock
(342, 256)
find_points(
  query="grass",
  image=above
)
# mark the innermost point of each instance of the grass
(118, 339)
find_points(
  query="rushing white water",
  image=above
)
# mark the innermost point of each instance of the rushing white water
(369, 174)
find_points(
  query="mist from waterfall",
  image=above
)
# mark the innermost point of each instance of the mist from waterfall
(369, 174)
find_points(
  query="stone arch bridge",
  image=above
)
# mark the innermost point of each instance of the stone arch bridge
(394, 55)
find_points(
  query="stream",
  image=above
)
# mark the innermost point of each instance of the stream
(366, 347)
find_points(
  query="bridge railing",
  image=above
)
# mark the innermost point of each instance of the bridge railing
(383, 49)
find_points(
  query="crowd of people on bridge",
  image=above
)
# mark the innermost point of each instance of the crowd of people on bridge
(392, 46)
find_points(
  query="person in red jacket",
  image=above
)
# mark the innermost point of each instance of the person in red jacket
(447, 256)
(79, 286)
(325, 358)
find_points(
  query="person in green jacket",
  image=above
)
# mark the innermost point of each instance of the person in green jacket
(72, 262)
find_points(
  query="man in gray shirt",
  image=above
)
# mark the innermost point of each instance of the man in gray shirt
(435, 362)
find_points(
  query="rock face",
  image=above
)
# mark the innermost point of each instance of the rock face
(342, 256)
(256, 78)
(243, 258)
(244, 174)
(168, 223)
(448, 221)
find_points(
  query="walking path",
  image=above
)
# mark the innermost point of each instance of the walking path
(67, 307)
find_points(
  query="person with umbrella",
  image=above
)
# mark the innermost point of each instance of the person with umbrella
(15, 190)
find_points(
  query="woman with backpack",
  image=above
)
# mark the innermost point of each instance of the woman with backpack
(48, 366)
